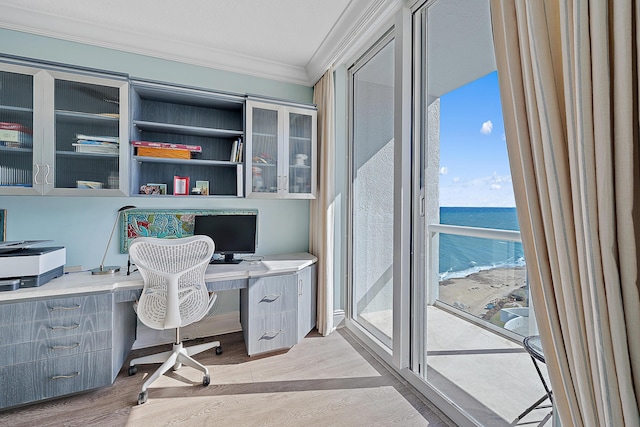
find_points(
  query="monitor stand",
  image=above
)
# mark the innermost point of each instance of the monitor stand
(228, 259)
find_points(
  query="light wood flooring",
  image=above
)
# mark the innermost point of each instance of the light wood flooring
(323, 381)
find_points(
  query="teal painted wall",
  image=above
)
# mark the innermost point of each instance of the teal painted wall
(83, 224)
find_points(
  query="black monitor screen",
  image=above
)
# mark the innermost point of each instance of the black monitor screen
(231, 233)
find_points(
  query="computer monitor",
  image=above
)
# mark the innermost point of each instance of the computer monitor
(232, 233)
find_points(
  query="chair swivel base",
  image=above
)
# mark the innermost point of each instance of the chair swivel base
(173, 359)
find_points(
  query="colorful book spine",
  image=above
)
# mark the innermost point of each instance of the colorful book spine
(111, 139)
(167, 145)
(15, 135)
(16, 127)
(167, 153)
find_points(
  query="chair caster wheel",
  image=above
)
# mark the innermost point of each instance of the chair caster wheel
(132, 370)
(219, 350)
(206, 380)
(142, 397)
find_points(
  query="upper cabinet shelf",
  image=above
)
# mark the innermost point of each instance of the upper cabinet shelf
(186, 130)
(70, 132)
(170, 117)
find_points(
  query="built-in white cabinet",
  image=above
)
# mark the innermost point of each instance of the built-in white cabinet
(307, 294)
(195, 135)
(281, 150)
(62, 133)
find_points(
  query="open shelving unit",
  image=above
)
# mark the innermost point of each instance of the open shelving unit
(178, 115)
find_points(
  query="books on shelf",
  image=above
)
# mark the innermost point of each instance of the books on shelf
(99, 138)
(96, 149)
(15, 135)
(236, 150)
(97, 144)
(166, 153)
(167, 145)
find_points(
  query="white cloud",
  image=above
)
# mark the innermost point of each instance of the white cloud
(488, 190)
(444, 170)
(486, 128)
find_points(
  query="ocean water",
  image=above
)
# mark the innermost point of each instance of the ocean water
(461, 256)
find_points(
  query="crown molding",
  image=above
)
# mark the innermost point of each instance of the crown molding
(18, 19)
(361, 20)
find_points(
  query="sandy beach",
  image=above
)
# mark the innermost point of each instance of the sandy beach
(476, 291)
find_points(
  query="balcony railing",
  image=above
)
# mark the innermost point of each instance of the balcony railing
(480, 274)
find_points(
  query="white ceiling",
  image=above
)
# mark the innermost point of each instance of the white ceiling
(287, 40)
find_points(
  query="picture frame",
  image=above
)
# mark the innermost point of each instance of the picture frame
(180, 185)
(3, 225)
(157, 188)
(204, 187)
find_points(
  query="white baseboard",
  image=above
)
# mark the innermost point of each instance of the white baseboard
(209, 326)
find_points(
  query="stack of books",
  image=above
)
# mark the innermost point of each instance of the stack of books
(165, 149)
(236, 151)
(15, 135)
(97, 144)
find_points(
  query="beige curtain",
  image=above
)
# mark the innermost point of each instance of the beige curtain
(321, 237)
(568, 73)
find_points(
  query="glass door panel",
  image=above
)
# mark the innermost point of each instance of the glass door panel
(372, 194)
(300, 153)
(16, 130)
(265, 174)
(87, 140)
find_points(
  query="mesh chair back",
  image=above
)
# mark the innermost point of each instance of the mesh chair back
(174, 293)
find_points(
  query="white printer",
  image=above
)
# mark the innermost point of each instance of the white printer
(26, 266)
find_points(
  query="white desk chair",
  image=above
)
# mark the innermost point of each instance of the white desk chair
(174, 295)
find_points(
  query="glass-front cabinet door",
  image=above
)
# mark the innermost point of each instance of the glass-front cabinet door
(301, 147)
(60, 133)
(281, 151)
(20, 132)
(264, 136)
(88, 139)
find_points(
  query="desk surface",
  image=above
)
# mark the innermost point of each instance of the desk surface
(85, 282)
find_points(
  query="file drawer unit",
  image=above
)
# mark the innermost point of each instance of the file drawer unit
(272, 321)
(52, 347)
(277, 312)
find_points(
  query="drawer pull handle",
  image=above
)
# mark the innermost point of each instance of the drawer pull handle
(75, 307)
(64, 377)
(270, 298)
(270, 335)
(66, 328)
(65, 347)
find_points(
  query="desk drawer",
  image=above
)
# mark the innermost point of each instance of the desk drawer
(275, 294)
(57, 327)
(271, 332)
(54, 347)
(33, 311)
(48, 378)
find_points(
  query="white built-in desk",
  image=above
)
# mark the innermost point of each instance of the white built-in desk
(75, 332)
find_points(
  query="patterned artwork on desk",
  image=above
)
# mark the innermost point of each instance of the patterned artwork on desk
(161, 223)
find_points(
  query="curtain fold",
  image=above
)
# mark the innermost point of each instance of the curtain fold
(322, 220)
(568, 74)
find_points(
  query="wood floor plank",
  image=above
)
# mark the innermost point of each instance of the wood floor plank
(323, 381)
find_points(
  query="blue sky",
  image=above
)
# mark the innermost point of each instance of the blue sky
(474, 166)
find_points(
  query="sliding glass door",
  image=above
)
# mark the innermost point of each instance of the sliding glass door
(372, 191)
